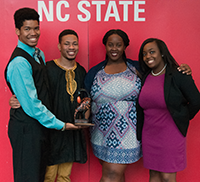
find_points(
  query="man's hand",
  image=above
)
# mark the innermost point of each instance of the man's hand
(14, 103)
(70, 126)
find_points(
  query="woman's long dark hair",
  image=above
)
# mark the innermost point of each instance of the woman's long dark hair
(166, 55)
(122, 34)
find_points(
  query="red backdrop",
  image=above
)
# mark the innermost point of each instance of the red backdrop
(175, 22)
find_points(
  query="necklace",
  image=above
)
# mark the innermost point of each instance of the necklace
(156, 74)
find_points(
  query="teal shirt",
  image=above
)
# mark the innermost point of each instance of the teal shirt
(19, 75)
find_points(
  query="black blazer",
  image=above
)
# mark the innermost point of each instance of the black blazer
(182, 99)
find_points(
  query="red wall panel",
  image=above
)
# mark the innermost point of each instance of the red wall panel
(176, 22)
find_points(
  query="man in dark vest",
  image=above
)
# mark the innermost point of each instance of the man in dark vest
(26, 77)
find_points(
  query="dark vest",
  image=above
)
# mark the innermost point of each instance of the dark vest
(39, 77)
(29, 139)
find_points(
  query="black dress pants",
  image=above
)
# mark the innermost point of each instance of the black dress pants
(29, 143)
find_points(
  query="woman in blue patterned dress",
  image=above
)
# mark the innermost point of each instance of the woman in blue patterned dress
(114, 86)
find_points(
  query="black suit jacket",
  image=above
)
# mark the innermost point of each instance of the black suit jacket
(182, 99)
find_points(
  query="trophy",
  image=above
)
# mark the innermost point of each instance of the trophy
(83, 106)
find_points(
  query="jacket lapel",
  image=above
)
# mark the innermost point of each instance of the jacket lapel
(167, 83)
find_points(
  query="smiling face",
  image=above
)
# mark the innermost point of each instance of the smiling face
(69, 47)
(115, 48)
(29, 33)
(152, 57)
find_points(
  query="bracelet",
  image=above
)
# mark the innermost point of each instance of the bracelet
(64, 128)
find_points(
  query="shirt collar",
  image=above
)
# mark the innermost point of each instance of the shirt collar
(25, 47)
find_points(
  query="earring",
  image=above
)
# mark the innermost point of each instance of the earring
(162, 55)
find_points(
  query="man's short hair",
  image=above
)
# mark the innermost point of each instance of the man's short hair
(25, 14)
(66, 32)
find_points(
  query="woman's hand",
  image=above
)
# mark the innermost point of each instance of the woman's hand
(185, 69)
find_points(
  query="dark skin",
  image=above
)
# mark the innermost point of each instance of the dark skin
(153, 59)
(185, 69)
(114, 49)
(69, 43)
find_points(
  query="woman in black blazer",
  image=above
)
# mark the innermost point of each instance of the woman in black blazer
(168, 100)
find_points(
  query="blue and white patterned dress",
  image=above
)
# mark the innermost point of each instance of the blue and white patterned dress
(113, 108)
